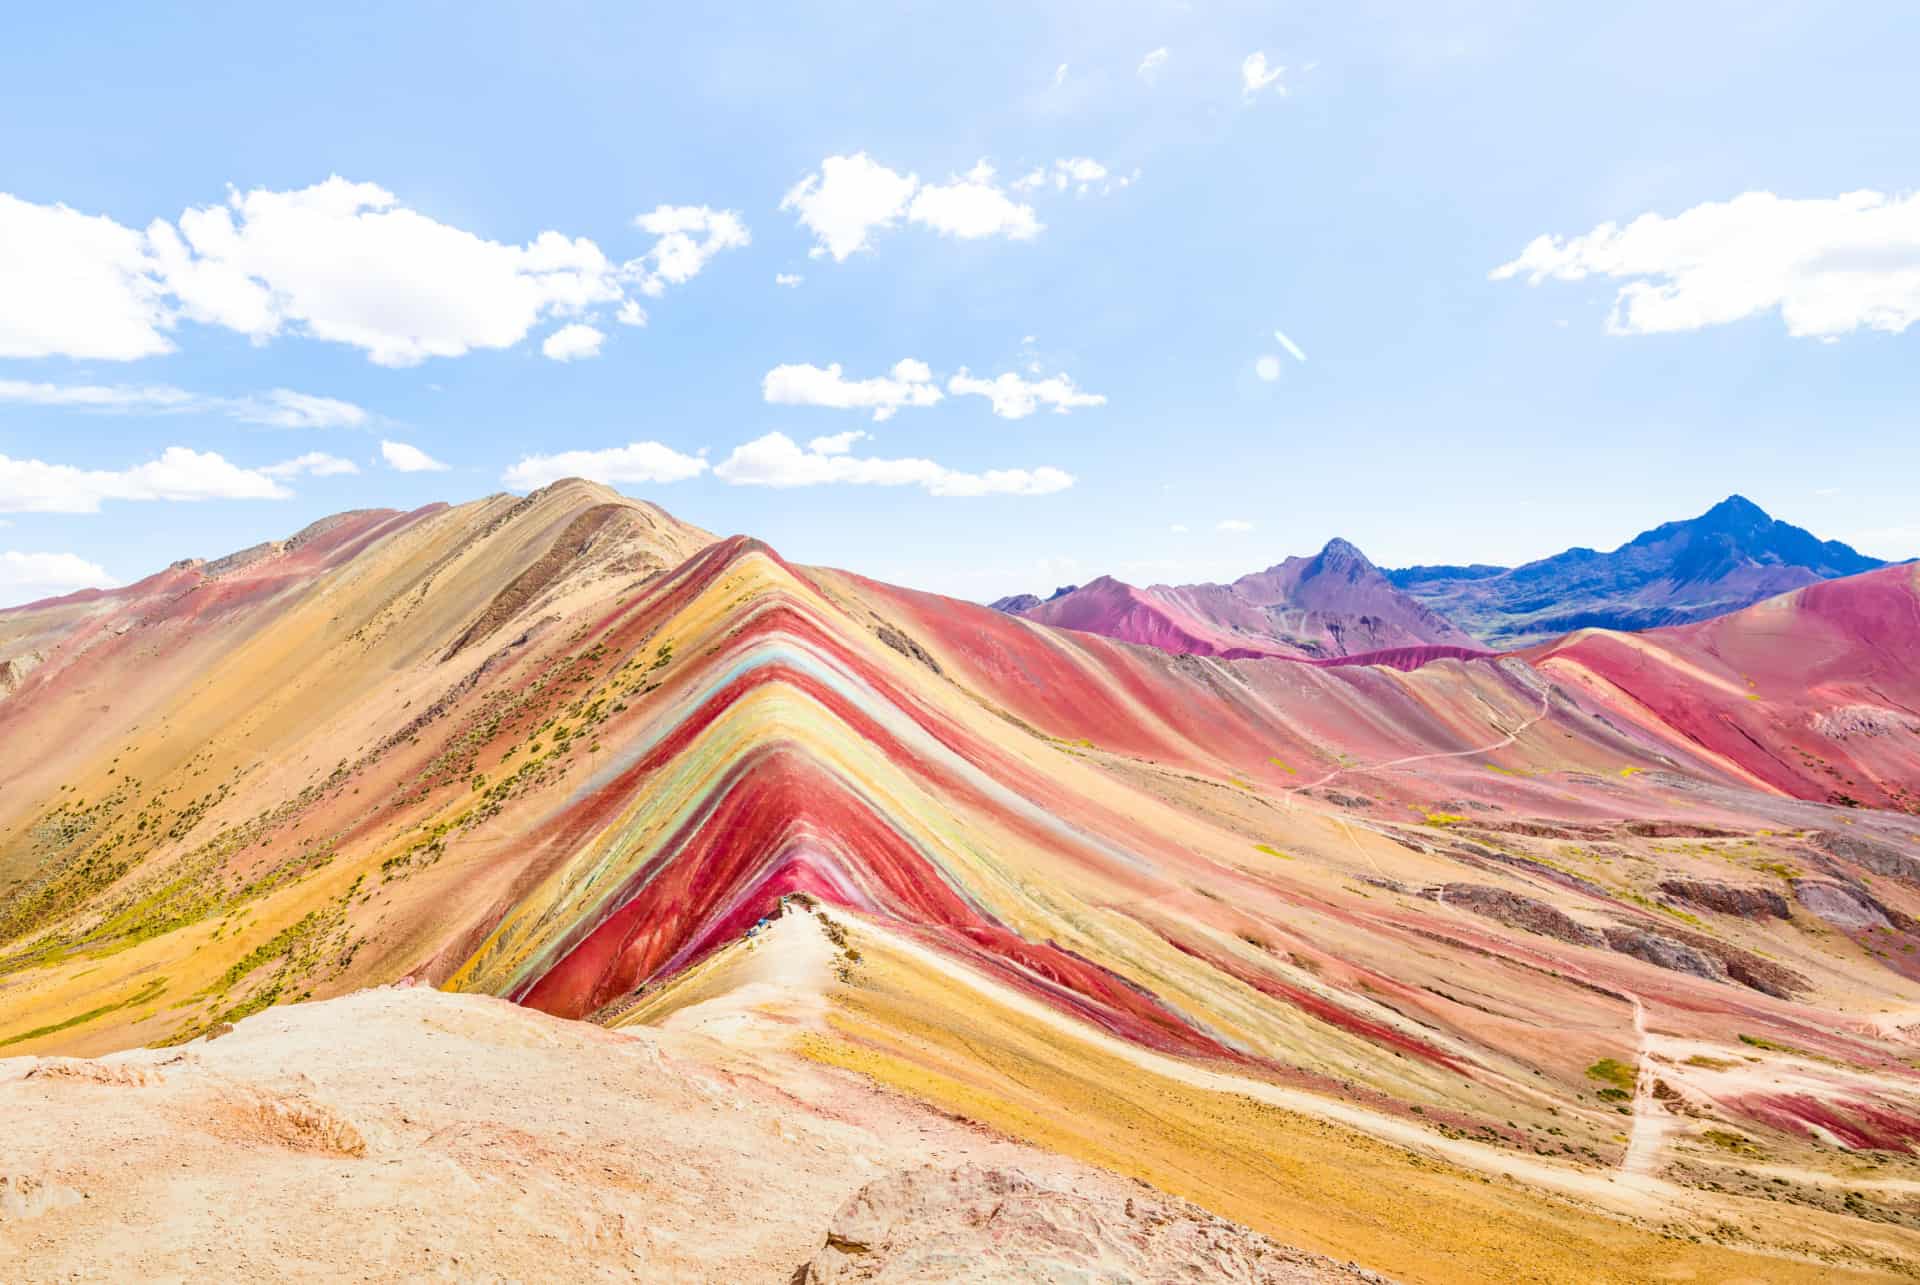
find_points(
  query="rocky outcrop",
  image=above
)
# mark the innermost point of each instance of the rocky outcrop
(1875, 855)
(1746, 902)
(1663, 951)
(1706, 957)
(1846, 908)
(14, 671)
(1517, 911)
(974, 1224)
(1677, 830)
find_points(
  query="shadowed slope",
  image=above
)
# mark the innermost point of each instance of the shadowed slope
(1731, 556)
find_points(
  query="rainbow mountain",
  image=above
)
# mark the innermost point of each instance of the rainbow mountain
(1599, 955)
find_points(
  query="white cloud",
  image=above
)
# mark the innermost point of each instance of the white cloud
(1149, 69)
(1829, 266)
(1060, 75)
(33, 486)
(33, 575)
(787, 278)
(1291, 347)
(972, 206)
(849, 199)
(403, 458)
(1255, 75)
(572, 342)
(347, 263)
(277, 408)
(631, 314)
(1233, 525)
(635, 462)
(312, 464)
(77, 285)
(690, 236)
(777, 460)
(853, 197)
(1178, 528)
(338, 261)
(836, 444)
(1267, 367)
(908, 384)
(1017, 398)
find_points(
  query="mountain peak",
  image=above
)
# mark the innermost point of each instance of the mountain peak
(1341, 550)
(1736, 509)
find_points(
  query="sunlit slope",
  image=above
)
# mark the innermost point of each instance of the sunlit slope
(571, 755)
(1814, 693)
(212, 745)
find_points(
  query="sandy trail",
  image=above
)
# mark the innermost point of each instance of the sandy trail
(1643, 1194)
(1648, 1130)
(1546, 705)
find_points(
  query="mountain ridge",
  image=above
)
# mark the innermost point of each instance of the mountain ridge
(1331, 604)
(1170, 914)
(1731, 556)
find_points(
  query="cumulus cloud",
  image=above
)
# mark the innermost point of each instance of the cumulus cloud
(1149, 68)
(338, 261)
(77, 285)
(402, 458)
(277, 408)
(312, 464)
(179, 473)
(636, 462)
(1827, 266)
(910, 383)
(777, 460)
(850, 198)
(1255, 76)
(1235, 526)
(347, 263)
(847, 200)
(1016, 398)
(572, 342)
(787, 278)
(972, 206)
(689, 237)
(25, 576)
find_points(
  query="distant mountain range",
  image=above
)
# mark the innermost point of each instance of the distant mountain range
(1733, 555)
(1333, 604)
(1337, 603)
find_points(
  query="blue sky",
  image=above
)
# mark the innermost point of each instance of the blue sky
(1080, 350)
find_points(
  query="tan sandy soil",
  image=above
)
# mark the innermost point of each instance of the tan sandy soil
(404, 1133)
